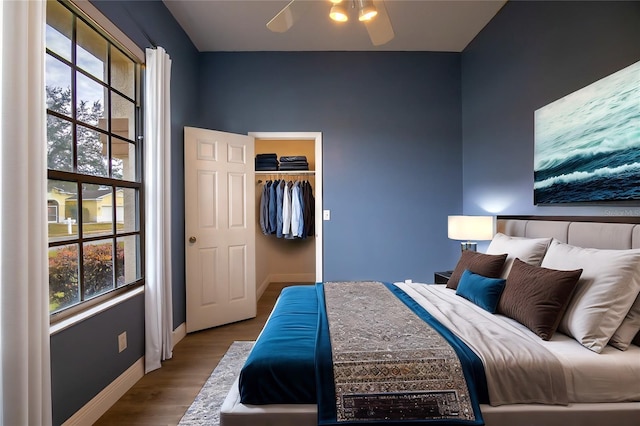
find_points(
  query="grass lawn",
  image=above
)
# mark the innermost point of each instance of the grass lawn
(61, 229)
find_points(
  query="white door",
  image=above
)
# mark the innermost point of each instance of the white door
(219, 227)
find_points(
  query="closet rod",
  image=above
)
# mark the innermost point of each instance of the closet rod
(283, 172)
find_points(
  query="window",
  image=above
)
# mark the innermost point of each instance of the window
(94, 163)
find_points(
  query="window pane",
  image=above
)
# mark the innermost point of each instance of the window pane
(98, 267)
(59, 24)
(63, 195)
(92, 156)
(126, 210)
(90, 101)
(59, 144)
(127, 260)
(123, 160)
(52, 211)
(122, 73)
(91, 53)
(58, 86)
(122, 117)
(97, 210)
(63, 277)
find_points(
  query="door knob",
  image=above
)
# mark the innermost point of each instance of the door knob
(192, 240)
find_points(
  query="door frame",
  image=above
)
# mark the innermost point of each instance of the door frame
(317, 138)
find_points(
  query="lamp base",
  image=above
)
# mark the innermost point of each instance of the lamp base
(469, 246)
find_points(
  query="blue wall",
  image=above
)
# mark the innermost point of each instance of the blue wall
(531, 54)
(391, 146)
(85, 358)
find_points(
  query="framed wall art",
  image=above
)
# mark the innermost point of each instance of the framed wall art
(587, 144)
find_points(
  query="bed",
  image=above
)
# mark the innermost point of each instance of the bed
(565, 353)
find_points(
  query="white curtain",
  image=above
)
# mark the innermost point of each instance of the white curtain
(157, 146)
(25, 372)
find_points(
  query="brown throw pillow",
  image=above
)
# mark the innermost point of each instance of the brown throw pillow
(537, 297)
(487, 265)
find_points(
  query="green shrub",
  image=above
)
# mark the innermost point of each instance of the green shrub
(63, 277)
(98, 273)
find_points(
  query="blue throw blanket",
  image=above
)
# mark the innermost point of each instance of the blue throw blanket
(281, 366)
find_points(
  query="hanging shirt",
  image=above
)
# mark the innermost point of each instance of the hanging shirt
(279, 202)
(296, 211)
(286, 209)
(264, 208)
(272, 208)
(308, 213)
(301, 232)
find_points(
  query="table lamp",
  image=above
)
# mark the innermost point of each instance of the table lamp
(471, 229)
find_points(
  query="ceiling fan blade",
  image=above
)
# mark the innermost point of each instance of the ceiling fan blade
(380, 29)
(287, 16)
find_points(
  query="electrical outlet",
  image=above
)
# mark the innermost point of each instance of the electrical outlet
(122, 341)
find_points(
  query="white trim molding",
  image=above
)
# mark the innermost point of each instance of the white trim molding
(317, 137)
(92, 12)
(284, 278)
(179, 333)
(94, 409)
(81, 316)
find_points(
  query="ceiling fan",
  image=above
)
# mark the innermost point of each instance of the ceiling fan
(372, 13)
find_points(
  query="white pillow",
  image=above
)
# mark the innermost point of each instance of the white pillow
(608, 286)
(630, 326)
(529, 250)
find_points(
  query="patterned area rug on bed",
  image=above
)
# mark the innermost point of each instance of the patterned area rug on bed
(205, 409)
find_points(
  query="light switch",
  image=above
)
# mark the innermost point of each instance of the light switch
(326, 214)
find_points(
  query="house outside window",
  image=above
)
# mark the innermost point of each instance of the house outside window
(95, 205)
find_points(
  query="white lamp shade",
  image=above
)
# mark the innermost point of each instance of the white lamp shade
(468, 228)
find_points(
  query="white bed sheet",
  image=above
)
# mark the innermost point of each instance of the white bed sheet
(611, 376)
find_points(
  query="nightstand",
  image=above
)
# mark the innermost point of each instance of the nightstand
(442, 277)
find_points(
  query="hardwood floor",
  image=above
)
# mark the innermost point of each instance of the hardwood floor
(162, 396)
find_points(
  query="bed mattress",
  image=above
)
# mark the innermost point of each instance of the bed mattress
(595, 382)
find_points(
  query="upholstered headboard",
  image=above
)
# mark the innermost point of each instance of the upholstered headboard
(606, 232)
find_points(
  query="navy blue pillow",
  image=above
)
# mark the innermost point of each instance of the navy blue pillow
(483, 291)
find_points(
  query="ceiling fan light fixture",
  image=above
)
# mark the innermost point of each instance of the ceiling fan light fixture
(367, 11)
(338, 13)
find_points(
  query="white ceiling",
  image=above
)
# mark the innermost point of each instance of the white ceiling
(419, 25)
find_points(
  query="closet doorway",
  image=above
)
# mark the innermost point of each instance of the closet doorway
(280, 259)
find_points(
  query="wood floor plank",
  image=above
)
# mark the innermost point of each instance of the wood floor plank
(164, 395)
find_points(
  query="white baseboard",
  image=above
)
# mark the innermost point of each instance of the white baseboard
(178, 334)
(262, 287)
(284, 278)
(293, 278)
(99, 405)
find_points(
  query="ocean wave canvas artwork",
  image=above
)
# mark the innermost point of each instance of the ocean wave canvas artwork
(587, 144)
